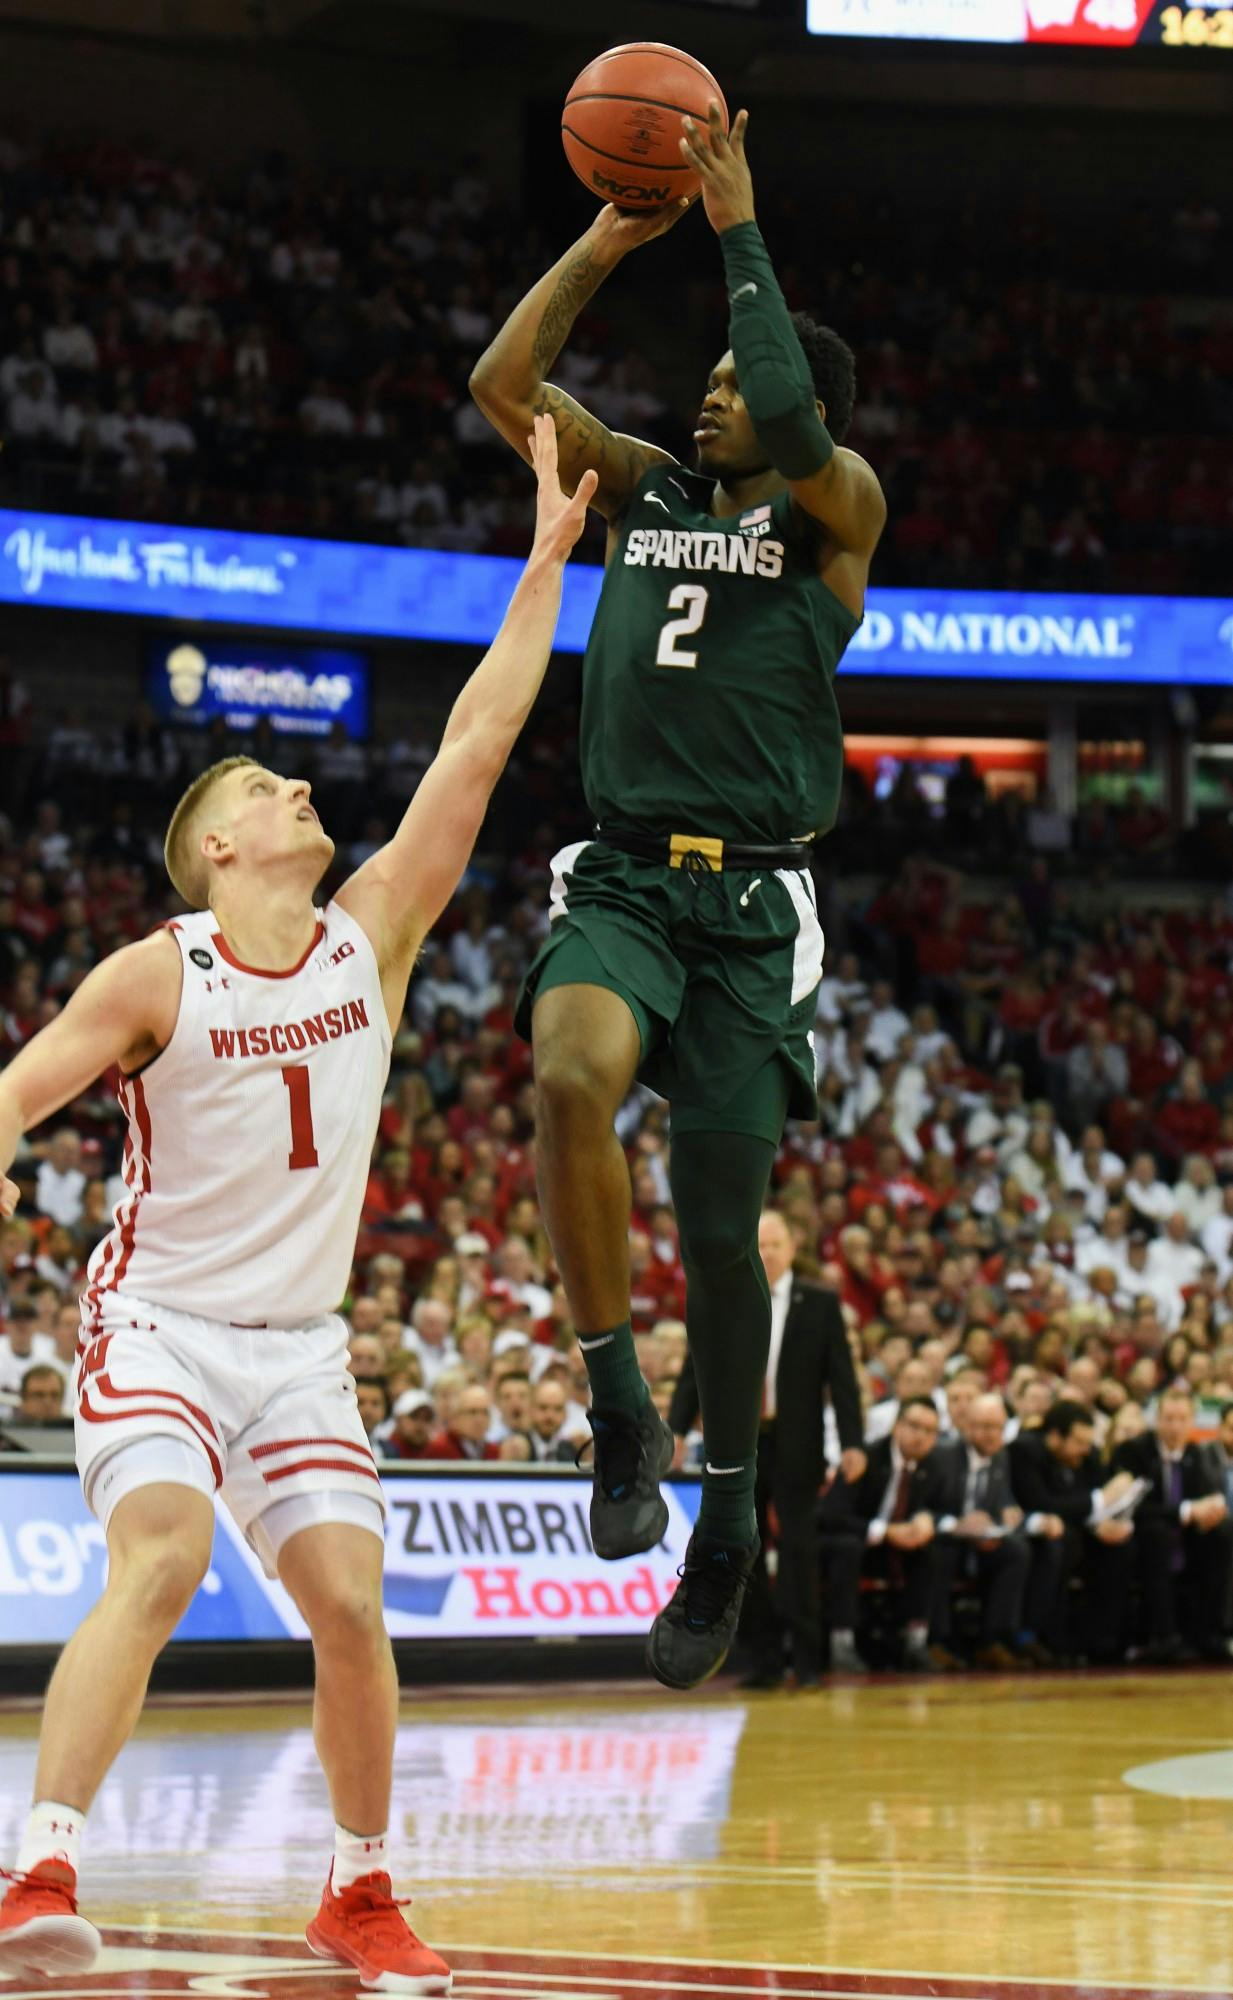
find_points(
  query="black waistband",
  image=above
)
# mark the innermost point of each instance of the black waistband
(694, 851)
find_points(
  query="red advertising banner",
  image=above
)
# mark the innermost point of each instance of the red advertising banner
(1108, 24)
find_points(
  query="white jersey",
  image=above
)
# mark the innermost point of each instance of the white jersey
(250, 1135)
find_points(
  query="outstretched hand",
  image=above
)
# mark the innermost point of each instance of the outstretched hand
(558, 520)
(618, 230)
(719, 159)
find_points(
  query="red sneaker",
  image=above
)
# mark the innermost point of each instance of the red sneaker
(40, 1930)
(361, 1925)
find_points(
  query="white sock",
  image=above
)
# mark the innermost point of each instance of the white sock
(357, 1854)
(53, 1833)
(918, 1632)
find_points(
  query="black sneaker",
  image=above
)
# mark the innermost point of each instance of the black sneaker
(629, 1515)
(690, 1639)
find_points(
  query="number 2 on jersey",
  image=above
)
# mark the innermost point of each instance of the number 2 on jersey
(691, 599)
(303, 1143)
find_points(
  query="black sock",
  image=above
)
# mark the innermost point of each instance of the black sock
(719, 1184)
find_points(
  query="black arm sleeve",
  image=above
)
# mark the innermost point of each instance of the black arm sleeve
(770, 361)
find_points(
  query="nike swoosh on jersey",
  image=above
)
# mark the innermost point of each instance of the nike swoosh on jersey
(722, 1471)
(654, 497)
(755, 884)
(741, 290)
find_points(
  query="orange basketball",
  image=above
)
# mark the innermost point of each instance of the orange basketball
(621, 126)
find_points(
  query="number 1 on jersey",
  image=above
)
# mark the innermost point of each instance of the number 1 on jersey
(303, 1144)
(690, 598)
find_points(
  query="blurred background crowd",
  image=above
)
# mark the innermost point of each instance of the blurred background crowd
(1019, 1181)
(271, 348)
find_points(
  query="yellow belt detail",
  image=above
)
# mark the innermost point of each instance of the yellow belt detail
(696, 843)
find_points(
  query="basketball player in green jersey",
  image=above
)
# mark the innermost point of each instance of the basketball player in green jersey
(684, 947)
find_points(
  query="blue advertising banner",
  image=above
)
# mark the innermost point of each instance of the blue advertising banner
(353, 588)
(467, 1557)
(304, 690)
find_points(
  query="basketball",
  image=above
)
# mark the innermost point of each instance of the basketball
(621, 126)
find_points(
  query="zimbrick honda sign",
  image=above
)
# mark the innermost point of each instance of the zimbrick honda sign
(502, 1555)
(267, 582)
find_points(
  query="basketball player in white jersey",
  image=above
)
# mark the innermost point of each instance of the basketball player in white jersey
(253, 1040)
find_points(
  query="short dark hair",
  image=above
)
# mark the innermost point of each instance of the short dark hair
(379, 1383)
(917, 1403)
(832, 365)
(1064, 1417)
(42, 1371)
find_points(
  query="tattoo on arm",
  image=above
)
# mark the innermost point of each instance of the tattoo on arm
(582, 440)
(578, 282)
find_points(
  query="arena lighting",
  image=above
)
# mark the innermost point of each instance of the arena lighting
(1000, 749)
(359, 590)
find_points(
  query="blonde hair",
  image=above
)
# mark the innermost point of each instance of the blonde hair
(186, 867)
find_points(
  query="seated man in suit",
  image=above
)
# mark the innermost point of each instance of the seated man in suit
(1183, 1535)
(809, 1357)
(1056, 1478)
(978, 1467)
(884, 1524)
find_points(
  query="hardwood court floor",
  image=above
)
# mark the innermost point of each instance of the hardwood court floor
(970, 1838)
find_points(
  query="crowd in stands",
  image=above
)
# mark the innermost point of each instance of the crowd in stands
(1019, 1181)
(272, 351)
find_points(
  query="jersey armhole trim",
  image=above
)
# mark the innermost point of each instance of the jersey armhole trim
(854, 618)
(338, 911)
(175, 931)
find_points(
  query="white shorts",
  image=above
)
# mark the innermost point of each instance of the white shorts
(263, 1415)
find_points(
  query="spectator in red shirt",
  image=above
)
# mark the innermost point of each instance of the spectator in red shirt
(1152, 1062)
(466, 1434)
(1188, 1121)
(413, 1421)
(33, 915)
(865, 1277)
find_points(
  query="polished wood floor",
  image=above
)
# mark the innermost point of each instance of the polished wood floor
(1044, 1835)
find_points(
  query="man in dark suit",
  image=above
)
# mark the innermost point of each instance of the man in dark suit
(1056, 1478)
(809, 1354)
(977, 1464)
(1183, 1534)
(884, 1524)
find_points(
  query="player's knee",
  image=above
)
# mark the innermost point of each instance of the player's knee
(712, 1241)
(158, 1580)
(347, 1614)
(574, 1087)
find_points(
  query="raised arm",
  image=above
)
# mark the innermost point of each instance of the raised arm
(832, 485)
(124, 1012)
(401, 890)
(508, 379)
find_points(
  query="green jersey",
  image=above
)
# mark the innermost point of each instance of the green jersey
(708, 701)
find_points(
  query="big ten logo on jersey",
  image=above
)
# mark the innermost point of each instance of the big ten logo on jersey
(335, 959)
(701, 548)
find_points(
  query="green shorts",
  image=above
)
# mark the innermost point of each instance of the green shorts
(720, 972)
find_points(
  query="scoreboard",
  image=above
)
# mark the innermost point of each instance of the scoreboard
(1106, 24)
